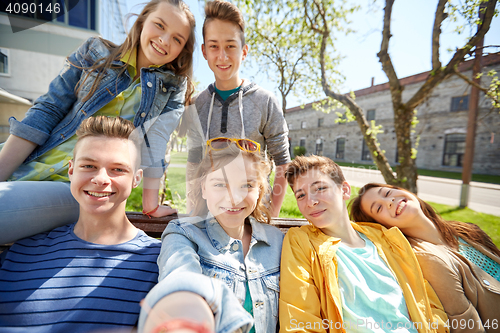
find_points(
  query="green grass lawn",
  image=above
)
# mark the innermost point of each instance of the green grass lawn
(177, 185)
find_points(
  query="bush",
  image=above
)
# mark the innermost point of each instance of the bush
(299, 150)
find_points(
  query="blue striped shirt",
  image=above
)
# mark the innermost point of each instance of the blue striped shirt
(57, 282)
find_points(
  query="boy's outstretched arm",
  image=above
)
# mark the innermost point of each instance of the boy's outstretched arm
(279, 190)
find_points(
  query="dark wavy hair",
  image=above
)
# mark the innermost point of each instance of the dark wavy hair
(450, 230)
(181, 66)
(215, 160)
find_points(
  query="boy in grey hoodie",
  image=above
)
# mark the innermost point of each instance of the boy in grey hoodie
(233, 107)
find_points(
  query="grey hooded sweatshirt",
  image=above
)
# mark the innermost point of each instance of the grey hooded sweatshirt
(258, 108)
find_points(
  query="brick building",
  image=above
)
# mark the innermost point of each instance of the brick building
(442, 125)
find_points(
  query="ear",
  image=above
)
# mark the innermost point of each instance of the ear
(245, 52)
(204, 51)
(70, 169)
(203, 190)
(137, 178)
(346, 190)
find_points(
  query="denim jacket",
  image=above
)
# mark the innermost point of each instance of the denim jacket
(56, 116)
(198, 256)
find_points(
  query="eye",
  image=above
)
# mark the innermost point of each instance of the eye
(249, 185)
(299, 196)
(213, 46)
(219, 185)
(387, 194)
(87, 166)
(119, 170)
(379, 209)
(177, 40)
(321, 188)
(159, 25)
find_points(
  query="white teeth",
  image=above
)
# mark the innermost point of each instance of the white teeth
(99, 194)
(233, 209)
(401, 205)
(157, 48)
(224, 67)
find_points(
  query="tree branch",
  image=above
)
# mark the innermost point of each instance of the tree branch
(385, 59)
(439, 17)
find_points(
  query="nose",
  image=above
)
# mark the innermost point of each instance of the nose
(101, 177)
(164, 39)
(222, 54)
(390, 202)
(236, 195)
(311, 200)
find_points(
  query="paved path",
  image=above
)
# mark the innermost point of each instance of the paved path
(483, 197)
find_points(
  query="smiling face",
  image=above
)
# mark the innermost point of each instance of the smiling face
(224, 52)
(163, 36)
(391, 207)
(103, 174)
(231, 193)
(321, 200)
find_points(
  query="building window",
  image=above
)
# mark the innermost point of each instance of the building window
(454, 149)
(303, 124)
(302, 142)
(4, 61)
(365, 152)
(75, 13)
(319, 147)
(370, 115)
(460, 103)
(320, 121)
(290, 127)
(339, 154)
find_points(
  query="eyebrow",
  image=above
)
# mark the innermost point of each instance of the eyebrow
(316, 182)
(90, 159)
(164, 23)
(373, 203)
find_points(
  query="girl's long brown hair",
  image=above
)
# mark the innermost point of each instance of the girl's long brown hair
(181, 66)
(450, 230)
(215, 160)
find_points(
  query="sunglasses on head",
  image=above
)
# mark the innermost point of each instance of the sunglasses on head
(244, 144)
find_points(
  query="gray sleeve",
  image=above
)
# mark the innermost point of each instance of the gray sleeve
(276, 133)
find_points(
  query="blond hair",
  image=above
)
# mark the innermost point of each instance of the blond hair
(109, 127)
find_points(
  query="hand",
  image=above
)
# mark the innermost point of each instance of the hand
(164, 210)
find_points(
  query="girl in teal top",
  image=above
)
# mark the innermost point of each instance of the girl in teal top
(458, 259)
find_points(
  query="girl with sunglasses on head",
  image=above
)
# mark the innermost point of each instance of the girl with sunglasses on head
(146, 80)
(224, 260)
(458, 259)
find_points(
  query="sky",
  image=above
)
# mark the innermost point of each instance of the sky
(410, 45)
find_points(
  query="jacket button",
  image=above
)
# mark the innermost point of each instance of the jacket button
(235, 247)
(149, 84)
(486, 282)
(143, 114)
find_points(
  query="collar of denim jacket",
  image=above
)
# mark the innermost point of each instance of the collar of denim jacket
(221, 240)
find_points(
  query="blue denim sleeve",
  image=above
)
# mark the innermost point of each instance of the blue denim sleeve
(178, 252)
(48, 110)
(159, 130)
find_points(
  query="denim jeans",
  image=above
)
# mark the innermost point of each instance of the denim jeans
(31, 207)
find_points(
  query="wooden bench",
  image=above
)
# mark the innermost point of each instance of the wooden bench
(154, 226)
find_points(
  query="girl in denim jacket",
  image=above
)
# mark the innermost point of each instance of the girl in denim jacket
(221, 267)
(145, 80)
